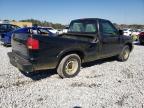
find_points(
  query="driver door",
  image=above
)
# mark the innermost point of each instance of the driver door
(110, 39)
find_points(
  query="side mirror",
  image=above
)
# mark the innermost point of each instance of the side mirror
(121, 32)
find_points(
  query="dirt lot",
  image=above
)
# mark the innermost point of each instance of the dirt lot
(102, 84)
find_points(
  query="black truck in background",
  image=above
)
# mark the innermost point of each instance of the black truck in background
(87, 40)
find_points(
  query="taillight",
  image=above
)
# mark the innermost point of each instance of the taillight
(32, 43)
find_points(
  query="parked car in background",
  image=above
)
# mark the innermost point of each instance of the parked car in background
(6, 29)
(141, 38)
(52, 30)
(127, 32)
(65, 30)
(135, 32)
(60, 31)
(87, 40)
(27, 30)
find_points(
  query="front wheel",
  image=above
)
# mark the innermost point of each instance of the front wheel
(124, 55)
(5, 44)
(69, 66)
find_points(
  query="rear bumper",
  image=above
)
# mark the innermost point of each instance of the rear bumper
(19, 62)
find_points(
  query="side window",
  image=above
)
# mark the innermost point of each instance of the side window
(108, 29)
(3, 28)
(13, 27)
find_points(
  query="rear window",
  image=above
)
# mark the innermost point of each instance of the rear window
(86, 26)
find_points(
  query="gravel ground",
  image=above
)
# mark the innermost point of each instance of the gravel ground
(102, 84)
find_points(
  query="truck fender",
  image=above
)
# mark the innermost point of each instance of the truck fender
(70, 51)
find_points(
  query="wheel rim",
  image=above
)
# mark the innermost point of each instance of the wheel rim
(71, 66)
(126, 53)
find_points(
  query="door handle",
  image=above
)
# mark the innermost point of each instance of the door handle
(95, 41)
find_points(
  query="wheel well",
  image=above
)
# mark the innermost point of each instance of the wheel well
(130, 46)
(79, 53)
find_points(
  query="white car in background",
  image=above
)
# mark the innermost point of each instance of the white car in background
(52, 30)
(127, 32)
(65, 30)
(135, 32)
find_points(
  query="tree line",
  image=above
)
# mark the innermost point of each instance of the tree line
(132, 26)
(60, 26)
(44, 23)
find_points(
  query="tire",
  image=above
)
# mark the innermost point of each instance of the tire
(5, 45)
(141, 43)
(124, 55)
(69, 66)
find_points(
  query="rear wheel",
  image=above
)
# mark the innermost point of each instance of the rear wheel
(124, 55)
(69, 66)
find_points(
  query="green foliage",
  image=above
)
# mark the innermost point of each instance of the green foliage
(134, 37)
(44, 23)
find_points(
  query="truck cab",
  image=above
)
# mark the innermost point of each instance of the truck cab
(105, 40)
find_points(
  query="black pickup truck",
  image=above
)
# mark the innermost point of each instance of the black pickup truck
(87, 40)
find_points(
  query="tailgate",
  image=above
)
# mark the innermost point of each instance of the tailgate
(19, 44)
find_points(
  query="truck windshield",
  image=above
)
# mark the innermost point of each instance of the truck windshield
(83, 27)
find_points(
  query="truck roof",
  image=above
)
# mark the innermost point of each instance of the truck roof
(90, 19)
